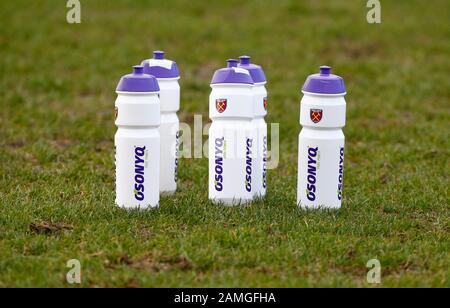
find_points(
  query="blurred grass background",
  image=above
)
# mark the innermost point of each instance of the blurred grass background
(57, 92)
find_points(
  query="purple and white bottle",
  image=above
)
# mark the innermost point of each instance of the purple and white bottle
(137, 141)
(167, 74)
(231, 138)
(259, 125)
(322, 141)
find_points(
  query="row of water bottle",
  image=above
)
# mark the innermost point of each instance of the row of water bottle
(147, 139)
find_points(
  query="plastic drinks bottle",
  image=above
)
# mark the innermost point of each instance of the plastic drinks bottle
(231, 160)
(137, 141)
(259, 125)
(167, 74)
(321, 141)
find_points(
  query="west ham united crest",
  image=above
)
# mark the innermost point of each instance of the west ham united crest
(221, 105)
(316, 115)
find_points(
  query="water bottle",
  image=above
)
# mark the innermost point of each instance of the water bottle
(259, 125)
(137, 141)
(321, 141)
(231, 138)
(167, 74)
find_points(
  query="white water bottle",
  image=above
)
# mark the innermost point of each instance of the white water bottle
(259, 125)
(137, 141)
(231, 137)
(167, 74)
(321, 141)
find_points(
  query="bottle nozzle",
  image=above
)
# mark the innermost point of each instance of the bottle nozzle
(325, 70)
(158, 55)
(232, 63)
(138, 70)
(245, 60)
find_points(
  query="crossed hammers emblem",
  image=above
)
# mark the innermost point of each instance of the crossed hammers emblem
(221, 105)
(316, 115)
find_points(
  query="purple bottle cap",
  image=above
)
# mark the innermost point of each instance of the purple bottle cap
(232, 74)
(255, 71)
(138, 82)
(325, 83)
(161, 67)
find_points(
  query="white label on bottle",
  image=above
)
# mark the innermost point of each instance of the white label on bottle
(167, 64)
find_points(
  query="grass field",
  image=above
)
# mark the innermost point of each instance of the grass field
(57, 92)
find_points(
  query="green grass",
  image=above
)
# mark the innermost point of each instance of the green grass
(57, 85)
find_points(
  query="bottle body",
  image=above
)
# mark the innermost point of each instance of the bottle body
(169, 132)
(231, 162)
(231, 145)
(259, 126)
(321, 166)
(321, 151)
(137, 167)
(137, 143)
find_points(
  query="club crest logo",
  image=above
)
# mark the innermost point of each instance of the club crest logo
(221, 105)
(316, 115)
(266, 103)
